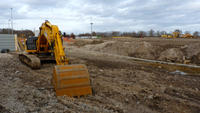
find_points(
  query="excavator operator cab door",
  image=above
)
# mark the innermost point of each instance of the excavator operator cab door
(31, 46)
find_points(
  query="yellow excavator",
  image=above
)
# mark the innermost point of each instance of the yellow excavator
(174, 35)
(187, 35)
(177, 34)
(70, 80)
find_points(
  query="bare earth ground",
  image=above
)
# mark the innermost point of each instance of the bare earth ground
(118, 85)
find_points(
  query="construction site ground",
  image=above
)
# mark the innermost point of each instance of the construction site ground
(119, 84)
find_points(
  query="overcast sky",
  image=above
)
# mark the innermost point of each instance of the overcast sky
(107, 15)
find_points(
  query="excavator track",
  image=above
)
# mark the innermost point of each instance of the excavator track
(30, 60)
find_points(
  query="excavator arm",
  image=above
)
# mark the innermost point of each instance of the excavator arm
(52, 35)
(70, 80)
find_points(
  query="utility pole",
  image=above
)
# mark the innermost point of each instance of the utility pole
(11, 20)
(8, 26)
(91, 29)
(91, 26)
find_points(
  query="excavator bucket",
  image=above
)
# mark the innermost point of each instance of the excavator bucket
(71, 80)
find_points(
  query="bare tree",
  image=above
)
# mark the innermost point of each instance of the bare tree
(141, 34)
(94, 34)
(134, 34)
(151, 33)
(72, 36)
(178, 30)
(126, 34)
(158, 34)
(115, 33)
(196, 34)
(163, 33)
(20, 33)
(187, 32)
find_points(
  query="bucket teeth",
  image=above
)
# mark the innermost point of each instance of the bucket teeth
(71, 80)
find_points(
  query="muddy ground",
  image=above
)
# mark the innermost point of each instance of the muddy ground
(119, 85)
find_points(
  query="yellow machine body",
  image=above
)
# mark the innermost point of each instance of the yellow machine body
(174, 35)
(69, 80)
(178, 35)
(187, 35)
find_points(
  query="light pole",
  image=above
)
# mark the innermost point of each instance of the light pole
(91, 28)
(11, 20)
(8, 26)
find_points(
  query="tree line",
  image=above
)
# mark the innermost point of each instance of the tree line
(20, 33)
(150, 33)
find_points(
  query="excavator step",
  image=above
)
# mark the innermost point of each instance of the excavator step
(71, 80)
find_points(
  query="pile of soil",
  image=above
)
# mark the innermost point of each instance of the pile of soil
(5, 56)
(195, 59)
(172, 55)
(83, 42)
(192, 49)
(180, 53)
(144, 50)
(133, 49)
(192, 52)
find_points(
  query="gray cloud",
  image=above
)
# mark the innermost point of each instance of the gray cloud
(107, 15)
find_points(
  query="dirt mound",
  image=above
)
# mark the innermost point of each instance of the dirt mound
(192, 52)
(5, 55)
(172, 55)
(99, 47)
(196, 59)
(109, 47)
(133, 49)
(192, 49)
(83, 42)
(143, 50)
